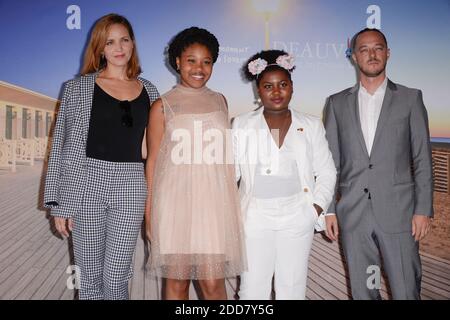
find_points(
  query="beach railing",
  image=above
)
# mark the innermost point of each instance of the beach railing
(7, 154)
(441, 170)
(25, 151)
(40, 148)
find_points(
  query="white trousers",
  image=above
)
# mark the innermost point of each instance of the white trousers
(279, 234)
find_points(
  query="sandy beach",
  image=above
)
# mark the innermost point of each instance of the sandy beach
(437, 242)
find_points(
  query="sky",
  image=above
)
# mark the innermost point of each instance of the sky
(39, 52)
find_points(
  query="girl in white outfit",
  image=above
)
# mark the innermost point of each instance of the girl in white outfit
(287, 178)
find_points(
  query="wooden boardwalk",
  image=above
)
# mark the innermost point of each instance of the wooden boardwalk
(33, 260)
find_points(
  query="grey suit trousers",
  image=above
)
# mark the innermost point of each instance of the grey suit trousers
(400, 255)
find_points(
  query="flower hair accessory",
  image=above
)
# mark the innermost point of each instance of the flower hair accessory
(257, 66)
(286, 61)
(349, 51)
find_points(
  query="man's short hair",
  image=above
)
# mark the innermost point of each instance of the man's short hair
(355, 37)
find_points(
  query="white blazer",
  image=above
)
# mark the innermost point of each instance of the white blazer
(315, 164)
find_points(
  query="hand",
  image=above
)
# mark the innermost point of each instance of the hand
(63, 226)
(148, 229)
(147, 218)
(332, 228)
(420, 226)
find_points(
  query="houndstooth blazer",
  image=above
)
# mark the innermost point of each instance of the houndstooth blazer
(66, 175)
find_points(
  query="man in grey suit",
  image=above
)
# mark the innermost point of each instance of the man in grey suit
(379, 137)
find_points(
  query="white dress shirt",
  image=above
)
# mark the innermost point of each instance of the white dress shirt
(369, 111)
(279, 179)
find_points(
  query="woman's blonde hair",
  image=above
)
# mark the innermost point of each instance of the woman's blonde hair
(93, 58)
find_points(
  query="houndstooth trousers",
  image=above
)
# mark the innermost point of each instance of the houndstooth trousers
(106, 229)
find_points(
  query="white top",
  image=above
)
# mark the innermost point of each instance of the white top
(275, 179)
(369, 111)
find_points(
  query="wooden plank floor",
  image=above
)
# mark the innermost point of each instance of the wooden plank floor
(33, 260)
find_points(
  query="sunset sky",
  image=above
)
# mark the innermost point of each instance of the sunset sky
(39, 52)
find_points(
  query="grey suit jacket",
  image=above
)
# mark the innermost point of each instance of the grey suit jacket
(66, 175)
(397, 175)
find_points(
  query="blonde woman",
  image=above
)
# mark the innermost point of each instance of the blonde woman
(95, 185)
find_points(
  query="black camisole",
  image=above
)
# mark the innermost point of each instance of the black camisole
(116, 128)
